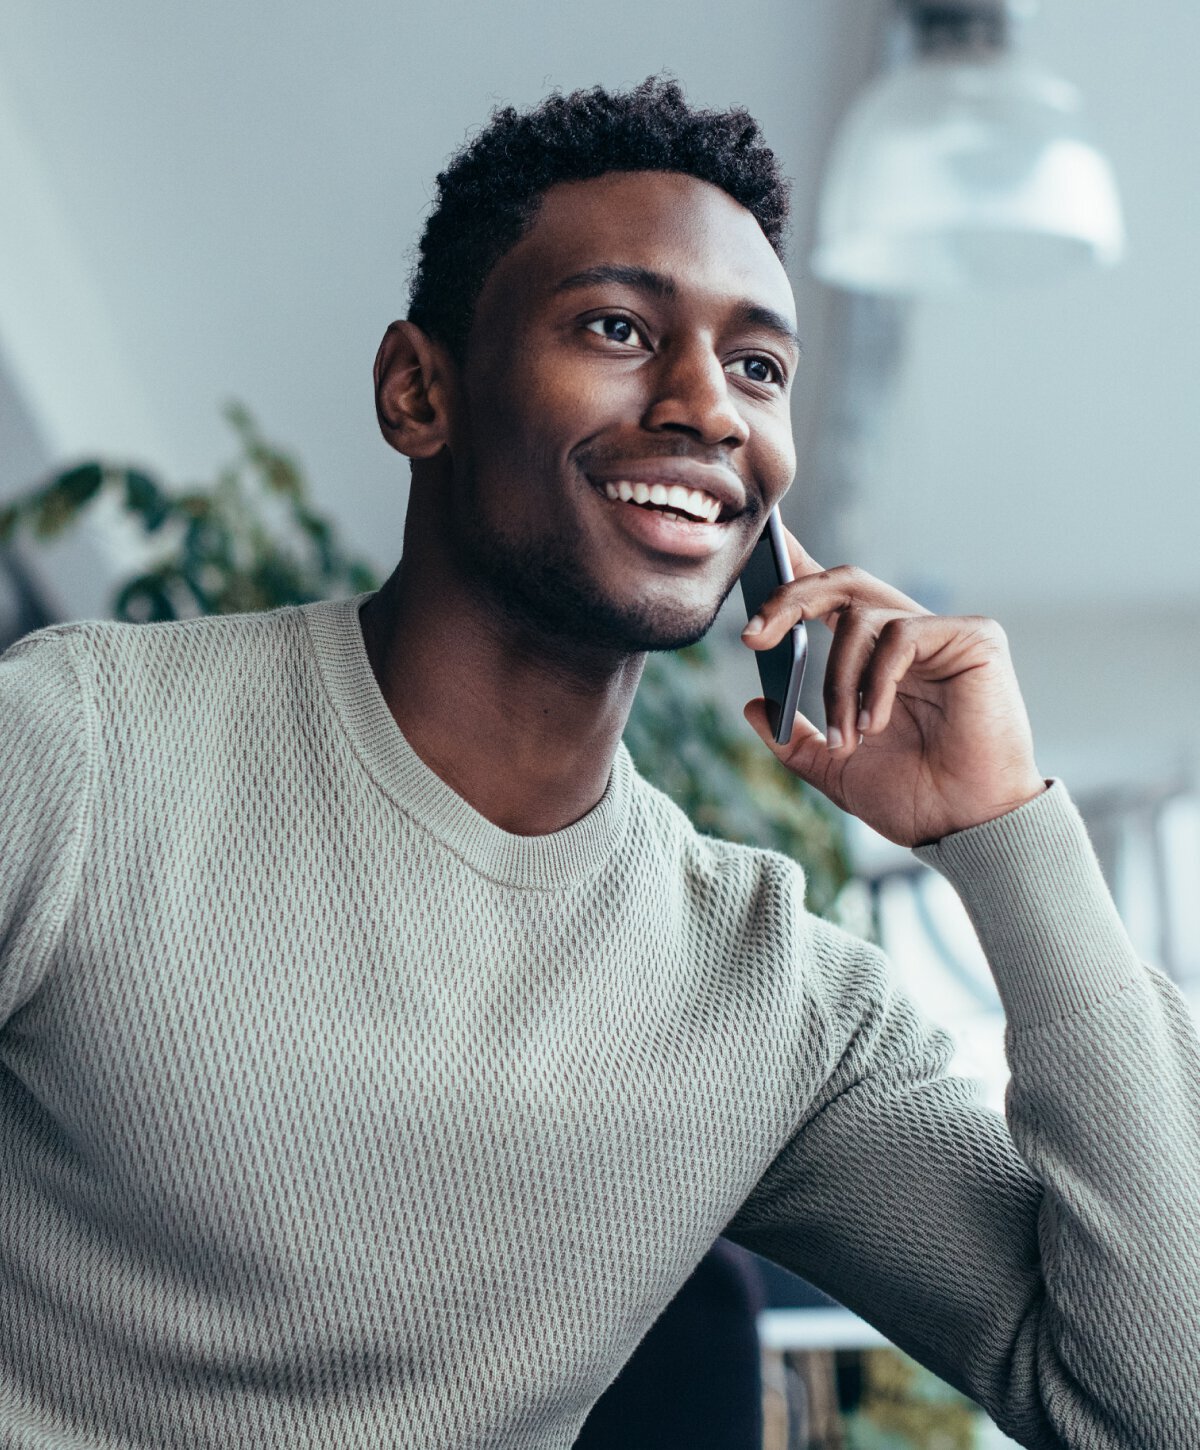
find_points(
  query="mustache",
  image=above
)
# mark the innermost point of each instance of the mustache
(609, 456)
(602, 455)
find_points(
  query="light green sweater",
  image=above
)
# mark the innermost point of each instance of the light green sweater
(332, 1115)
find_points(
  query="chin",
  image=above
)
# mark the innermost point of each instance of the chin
(650, 628)
(551, 592)
(671, 639)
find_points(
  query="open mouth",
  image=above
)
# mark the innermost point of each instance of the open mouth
(673, 501)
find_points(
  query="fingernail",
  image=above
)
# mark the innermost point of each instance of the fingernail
(864, 720)
(833, 738)
(755, 626)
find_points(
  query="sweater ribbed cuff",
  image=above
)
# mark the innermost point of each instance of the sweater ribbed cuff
(1035, 894)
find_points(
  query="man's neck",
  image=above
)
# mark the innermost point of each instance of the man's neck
(525, 741)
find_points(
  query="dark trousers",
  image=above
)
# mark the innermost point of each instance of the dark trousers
(695, 1380)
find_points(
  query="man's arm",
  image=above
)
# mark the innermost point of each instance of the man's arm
(1055, 1274)
(1050, 1269)
(45, 804)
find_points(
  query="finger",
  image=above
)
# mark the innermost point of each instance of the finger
(824, 596)
(805, 753)
(853, 645)
(900, 641)
(803, 562)
(937, 648)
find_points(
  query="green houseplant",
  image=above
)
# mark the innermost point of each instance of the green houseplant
(252, 540)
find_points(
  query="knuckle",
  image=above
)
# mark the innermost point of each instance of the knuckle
(844, 622)
(990, 631)
(897, 630)
(847, 576)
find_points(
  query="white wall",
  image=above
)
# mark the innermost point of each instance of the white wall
(220, 201)
(1041, 461)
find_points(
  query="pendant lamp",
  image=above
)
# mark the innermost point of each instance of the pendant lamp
(966, 166)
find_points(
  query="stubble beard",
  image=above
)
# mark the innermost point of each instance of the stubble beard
(544, 588)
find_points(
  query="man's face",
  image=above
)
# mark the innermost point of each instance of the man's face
(641, 334)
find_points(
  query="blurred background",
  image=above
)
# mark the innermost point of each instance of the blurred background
(215, 203)
(204, 204)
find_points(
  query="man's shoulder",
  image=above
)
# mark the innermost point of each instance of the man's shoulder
(232, 677)
(224, 632)
(702, 856)
(116, 653)
(746, 904)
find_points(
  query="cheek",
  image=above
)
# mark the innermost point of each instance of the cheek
(774, 457)
(510, 403)
(519, 428)
(537, 414)
(572, 399)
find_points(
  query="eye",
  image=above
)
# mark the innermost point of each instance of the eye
(766, 370)
(615, 328)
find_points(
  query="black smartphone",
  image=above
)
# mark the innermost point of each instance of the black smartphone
(781, 668)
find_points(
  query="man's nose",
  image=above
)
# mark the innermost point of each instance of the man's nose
(692, 394)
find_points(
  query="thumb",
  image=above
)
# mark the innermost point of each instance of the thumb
(806, 754)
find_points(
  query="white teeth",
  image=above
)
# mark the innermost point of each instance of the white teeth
(692, 503)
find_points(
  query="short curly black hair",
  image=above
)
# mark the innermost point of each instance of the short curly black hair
(489, 193)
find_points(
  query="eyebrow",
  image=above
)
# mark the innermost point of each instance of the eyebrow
(642, 279)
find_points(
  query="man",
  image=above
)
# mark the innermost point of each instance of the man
(382, 1054)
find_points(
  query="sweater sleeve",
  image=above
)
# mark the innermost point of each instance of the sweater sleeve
(45, 796)
(1048, 1266)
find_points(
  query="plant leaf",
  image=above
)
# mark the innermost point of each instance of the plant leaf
(144, 600)
(79, 485)
(56, 503)
(144, 496)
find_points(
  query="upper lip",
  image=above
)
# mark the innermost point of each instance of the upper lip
(711, 479)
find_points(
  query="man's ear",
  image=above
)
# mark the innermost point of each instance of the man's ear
(414, 386)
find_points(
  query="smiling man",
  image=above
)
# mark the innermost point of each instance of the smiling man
(381, 1054)
(581, 493)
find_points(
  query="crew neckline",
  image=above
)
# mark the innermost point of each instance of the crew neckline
(546, 861)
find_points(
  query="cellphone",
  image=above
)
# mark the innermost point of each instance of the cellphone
(781, 668)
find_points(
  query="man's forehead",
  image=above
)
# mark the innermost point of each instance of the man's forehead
(657, 224)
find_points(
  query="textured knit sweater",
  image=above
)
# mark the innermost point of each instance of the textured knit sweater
(334, 1117)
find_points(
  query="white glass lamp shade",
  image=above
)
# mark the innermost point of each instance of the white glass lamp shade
(964, 171)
